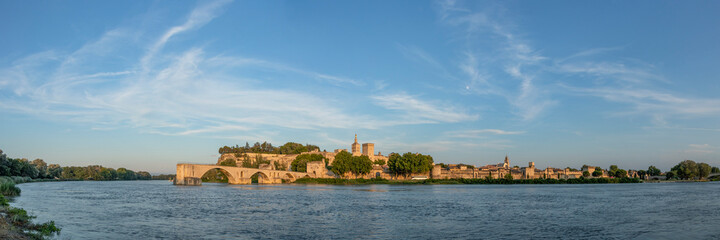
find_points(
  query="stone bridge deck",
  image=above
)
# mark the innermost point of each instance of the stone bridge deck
(191, 174)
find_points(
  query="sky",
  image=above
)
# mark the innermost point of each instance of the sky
(149, 84)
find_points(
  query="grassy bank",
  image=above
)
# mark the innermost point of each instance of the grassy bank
(15, 223)
(339, 181)
(7, 186)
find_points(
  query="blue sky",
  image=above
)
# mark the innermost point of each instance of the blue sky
(148, 84)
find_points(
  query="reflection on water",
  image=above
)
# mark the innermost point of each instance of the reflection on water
(157, 209)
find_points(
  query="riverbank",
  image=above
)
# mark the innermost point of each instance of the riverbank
(340, 181)
(15, 223)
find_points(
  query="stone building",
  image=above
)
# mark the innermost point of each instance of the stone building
(368, 149)
(496, 171)
(500, 170)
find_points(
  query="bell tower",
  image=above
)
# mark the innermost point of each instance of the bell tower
(507, 162)
(355, 147)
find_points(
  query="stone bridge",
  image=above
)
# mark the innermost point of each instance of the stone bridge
(191, 174)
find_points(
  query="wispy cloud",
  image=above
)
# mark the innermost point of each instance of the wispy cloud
(480, 133)
(611, 71)
(244, 62)
(422, 111)
(492, 44)
(589, 52)
(417, 54)
(200, 16)
(172, 93)
(437, 146)
(700, 148)
(654, 102)
(512, 52)
(185, 91)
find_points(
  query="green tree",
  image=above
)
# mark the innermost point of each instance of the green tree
(93, 172)
(5, 164)
(653, 171)
(125, 174)
(280, 166)
(409, 163)
(379, 162)
(230, 162)
(54, 171)
(293, 148)
(703, 170)
(143, 175)
(508, 176)
(346, 163)
(687, 169)
(671, 175)
(586, 174)
(715, 170)
(246, 162)
(108, 174)
(341, 164)
(613, 170)
(361, 165)
(621, 173)
(41, 166)
(641, 173)
(259, 160)
(300, 162)
(598, 172)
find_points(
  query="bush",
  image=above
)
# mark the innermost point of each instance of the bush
(45, 230)
(8, 188)
(3, 201)
(20, 218)
(19, 179)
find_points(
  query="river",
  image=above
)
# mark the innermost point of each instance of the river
(158, 209)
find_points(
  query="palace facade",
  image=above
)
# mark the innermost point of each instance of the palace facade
(500, 170)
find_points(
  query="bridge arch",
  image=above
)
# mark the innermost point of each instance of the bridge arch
(262, 177)
(230, 176)
(290, 177)
(657, 178)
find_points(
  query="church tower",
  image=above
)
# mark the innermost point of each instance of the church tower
(507, 162)
(356, 147)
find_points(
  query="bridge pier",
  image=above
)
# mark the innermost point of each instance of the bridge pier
(188, 181)
(244, 181)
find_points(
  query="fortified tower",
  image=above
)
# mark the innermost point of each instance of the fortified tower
(356, 147)
(530, 171)
(369, 150)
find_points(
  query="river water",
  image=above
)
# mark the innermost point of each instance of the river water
(158, 209)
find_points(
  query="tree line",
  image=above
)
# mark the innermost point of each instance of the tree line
(39, 169)
(266, 147)
(689, 169)
(345, 163)
(409, 163)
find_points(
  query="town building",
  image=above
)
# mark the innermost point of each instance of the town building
(495, 171)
